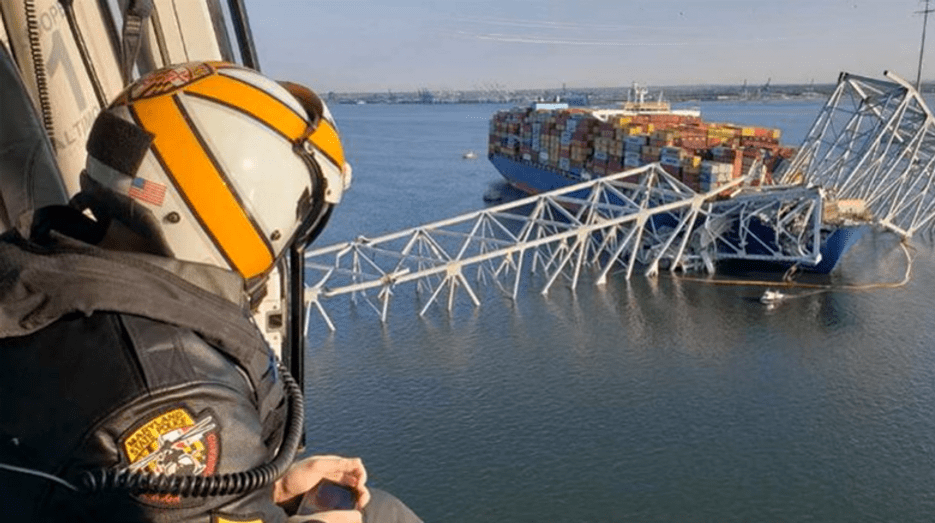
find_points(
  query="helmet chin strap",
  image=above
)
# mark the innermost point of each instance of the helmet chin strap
(69, 221)
(119, 237)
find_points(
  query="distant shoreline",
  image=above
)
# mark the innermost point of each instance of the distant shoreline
(591, 96)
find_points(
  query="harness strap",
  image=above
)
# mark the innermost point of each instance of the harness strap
(134, 20)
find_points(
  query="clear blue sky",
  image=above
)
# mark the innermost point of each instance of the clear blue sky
(404, 45)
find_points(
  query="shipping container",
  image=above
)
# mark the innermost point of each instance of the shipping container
(575, 141)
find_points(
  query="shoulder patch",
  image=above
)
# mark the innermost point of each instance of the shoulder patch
(174, 442)
(235, 519)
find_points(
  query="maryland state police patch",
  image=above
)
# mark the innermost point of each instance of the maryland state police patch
(173, 442)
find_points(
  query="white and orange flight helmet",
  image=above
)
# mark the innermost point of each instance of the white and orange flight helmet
(218, 163)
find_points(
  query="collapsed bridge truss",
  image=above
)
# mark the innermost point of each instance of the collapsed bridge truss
(872, 142)
(639, 218)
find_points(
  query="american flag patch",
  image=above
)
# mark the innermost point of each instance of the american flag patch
(147, 191)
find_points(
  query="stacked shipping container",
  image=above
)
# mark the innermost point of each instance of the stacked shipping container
(579, 145)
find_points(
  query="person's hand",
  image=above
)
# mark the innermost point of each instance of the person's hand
(305, 474)
(330, 516)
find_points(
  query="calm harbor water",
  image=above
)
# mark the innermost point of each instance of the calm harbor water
(640, 400)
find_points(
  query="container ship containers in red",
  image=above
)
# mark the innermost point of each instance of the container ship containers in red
(544, 147)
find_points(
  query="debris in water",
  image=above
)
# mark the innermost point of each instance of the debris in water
(771, 297)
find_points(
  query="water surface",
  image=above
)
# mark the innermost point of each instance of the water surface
(639, 400)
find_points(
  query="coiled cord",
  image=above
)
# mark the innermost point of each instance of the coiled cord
(122, 478)
(38, 64)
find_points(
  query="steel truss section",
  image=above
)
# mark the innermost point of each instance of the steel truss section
(781, 224)
(639, 218)
(873, 140)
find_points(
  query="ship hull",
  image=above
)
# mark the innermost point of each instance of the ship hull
(529, 177)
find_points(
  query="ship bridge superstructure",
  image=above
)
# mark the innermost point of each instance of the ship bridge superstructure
(872, 143)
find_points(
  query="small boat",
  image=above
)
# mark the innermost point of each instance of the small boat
(771, 297)
(470, 155)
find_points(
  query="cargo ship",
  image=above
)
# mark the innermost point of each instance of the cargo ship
(551, 145)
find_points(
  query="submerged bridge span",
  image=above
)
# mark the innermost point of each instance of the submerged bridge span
(639, 218)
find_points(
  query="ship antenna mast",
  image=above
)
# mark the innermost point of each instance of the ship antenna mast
(925, 17)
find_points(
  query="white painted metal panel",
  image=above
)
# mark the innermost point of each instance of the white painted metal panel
(103, 55)
(183, 30)
(72, 103)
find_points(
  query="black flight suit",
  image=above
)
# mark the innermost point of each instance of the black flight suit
(114, 359)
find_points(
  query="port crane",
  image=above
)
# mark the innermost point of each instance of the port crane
(925, 19)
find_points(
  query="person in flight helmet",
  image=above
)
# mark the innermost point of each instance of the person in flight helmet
(134, 385)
